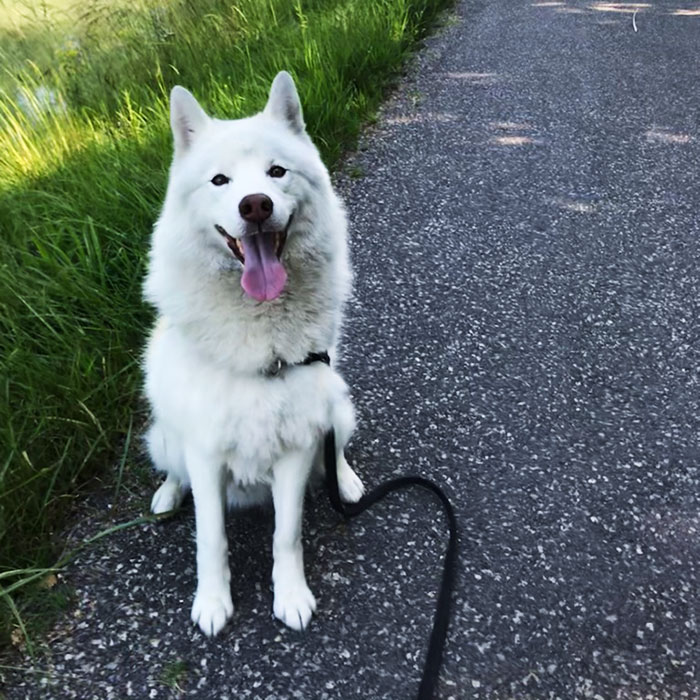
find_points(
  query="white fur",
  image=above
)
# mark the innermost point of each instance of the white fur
(220, 427)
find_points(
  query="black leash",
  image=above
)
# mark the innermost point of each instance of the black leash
(431, 669)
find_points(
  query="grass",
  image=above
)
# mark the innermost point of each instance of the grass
(174, 675)
(84, 151)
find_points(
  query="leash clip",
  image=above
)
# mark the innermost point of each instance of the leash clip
(278, 365)
(275, 369)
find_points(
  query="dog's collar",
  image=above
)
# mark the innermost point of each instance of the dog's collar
(278, 366)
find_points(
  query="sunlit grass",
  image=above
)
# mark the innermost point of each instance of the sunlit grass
(15, 14)
(84, 150)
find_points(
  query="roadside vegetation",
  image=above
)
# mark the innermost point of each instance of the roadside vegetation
(84, 151)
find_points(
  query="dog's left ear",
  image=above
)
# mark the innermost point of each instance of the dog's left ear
(283, 103)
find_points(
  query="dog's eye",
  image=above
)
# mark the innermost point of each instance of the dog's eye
(220, 179)
(276, 171)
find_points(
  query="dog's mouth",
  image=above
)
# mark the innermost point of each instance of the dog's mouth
(260, 254)
(278, 239)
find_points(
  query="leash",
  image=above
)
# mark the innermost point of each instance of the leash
(438, 634)
(433, 661)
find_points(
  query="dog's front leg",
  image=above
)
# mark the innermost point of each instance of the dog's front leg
(294, 603)
(212, 605)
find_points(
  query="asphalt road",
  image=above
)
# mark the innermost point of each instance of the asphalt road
(524, 331)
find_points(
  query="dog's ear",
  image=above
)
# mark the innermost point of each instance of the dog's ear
(187, 119)
(283, 103)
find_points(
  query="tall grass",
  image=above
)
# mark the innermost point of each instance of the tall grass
(84, 149)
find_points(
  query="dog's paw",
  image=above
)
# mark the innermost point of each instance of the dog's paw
(212, 610)
(350, 485)
(294, 605)
(169, 496)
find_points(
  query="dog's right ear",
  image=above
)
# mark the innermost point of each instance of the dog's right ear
(187, 119)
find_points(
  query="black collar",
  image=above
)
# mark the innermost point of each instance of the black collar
(279, 365)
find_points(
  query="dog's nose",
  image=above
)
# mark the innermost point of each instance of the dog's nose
(255, 207)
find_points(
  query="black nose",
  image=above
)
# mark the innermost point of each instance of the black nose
(255, 207)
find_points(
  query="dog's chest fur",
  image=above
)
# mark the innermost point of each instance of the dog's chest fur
(246, 420)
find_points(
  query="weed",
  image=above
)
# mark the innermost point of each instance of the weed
(356, 172)
(174, 675)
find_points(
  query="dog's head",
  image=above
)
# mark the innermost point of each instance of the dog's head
(244, 187)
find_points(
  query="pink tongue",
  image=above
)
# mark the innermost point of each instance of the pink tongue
(264, 275)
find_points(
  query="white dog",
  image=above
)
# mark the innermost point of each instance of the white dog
(249, 272)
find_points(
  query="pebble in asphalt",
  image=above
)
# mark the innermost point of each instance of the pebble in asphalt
(524, 331)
